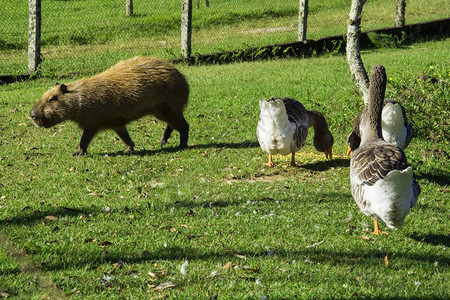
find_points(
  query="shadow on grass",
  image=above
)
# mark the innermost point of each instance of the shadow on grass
(241, 145)
(434, 239)
(327, 164)
(89, 256)
(440, 178)
(34, 215)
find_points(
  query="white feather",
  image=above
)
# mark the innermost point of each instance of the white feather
(391, 197)
(393, 125)
(275, 132)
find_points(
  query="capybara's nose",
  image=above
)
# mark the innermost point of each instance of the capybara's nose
(33, 114)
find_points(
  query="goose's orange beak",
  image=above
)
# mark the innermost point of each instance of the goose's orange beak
(328, 153)
(349, 150)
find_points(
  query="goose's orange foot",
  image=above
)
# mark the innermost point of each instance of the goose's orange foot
(376, 230)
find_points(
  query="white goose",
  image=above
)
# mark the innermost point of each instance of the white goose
(381, 181)
(283, 128)
(395, 127)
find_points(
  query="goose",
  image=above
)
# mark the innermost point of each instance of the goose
(395, 127)
(283, 127)
(381, 180)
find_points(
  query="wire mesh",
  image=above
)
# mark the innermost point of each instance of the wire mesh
(86, 36)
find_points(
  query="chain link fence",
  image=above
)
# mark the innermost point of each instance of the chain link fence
(86, 36)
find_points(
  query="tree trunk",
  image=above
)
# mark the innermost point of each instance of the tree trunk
(355, 63)
(34, 35)
(302, 19)
(186, 28)
(400, 13)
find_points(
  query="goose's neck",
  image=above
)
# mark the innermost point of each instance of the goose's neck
(316, 120)
(371, 128)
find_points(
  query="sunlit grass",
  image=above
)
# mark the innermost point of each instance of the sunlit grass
(116, 226)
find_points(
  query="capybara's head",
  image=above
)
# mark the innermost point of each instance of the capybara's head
(53, 107)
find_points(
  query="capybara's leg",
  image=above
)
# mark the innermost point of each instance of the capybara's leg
(166, 134)
(175, 120)
(178, 122)
(86, 138)
(123, 133)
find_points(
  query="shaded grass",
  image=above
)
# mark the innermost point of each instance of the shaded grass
(117, 226)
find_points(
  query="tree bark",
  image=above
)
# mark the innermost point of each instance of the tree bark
(34, 35)
(400, 13)
(355, 63)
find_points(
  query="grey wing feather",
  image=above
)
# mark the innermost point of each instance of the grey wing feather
(374, 162)
(298, 115)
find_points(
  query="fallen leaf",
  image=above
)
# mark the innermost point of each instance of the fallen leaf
(151, 274)
(94, 194)
(240, 256)
(164, 285)
(214, 274)
(130, 272)
(4, 294)
(365, 237)
(227, 265)
(51, 218)
(90, 241)
(386, 261)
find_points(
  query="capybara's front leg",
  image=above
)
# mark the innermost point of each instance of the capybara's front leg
(86, 138)
(125, 136)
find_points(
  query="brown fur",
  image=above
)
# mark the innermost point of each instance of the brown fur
(125, 92)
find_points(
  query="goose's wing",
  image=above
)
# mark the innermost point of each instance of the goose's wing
(375, 161)
(297, 115)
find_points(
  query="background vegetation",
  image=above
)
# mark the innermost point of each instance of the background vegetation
(114, 226)
(73, 29)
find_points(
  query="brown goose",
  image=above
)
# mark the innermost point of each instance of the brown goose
(382, 183)
(283, 128)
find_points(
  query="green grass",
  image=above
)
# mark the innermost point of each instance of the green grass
(114, 226)
(71, 29)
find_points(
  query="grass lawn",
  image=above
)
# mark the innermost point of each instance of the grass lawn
(114, 226)
(70, 29)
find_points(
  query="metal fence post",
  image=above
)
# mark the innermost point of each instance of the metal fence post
(34, 35)
(186, 28)
(400, 13)
(129, 4)
(302, 19)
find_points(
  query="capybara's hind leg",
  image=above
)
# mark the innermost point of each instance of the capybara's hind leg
(175, 120)
(86, 138)
(180, 124)
(125, 136)
(166, 134)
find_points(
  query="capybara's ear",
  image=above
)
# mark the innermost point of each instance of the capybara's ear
(63, 88)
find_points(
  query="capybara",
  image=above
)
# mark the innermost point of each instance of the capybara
(110, 100)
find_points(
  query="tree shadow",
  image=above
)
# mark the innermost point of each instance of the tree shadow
(433, 239)
(327, 164)
(364, 257)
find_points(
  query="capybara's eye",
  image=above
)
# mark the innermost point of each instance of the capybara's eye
(53, 99)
